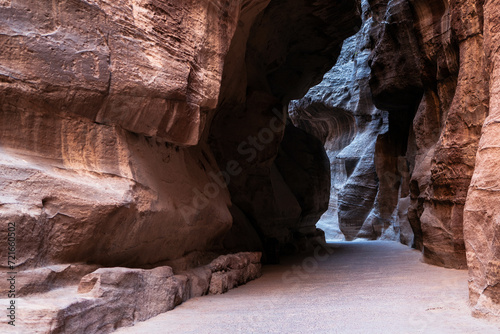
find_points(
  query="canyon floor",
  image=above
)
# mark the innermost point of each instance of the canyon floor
(358, 287)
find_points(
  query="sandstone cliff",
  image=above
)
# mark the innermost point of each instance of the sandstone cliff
(453, 60)
(430, 66)
(162, 134)
(119, 132)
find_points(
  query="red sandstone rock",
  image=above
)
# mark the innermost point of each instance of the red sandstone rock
(481, 215)
(109, 298)
(117, 117)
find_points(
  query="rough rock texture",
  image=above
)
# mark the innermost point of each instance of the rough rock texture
(481, 216)
(452, 61)
(153, 133)
(365, 171)
(75, 201)
(107, 144)
(431, 66)
(454, 154)
(229, 271)
(89, 122)
(101, 100)
(442, 56)
(108, 298)
(105, 60)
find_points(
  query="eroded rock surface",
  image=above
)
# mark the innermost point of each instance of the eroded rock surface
(423, 74)
(454, 67)
(95, 98)
(80, 191)
(481, 216)
(287, 50)
(109, 298)
(106, 115)
(356, 134)
(431, 67)
(155, 133)
(106, 60)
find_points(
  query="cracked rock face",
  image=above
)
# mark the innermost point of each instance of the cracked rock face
(99, 103)
(101, 300)
(105, 60)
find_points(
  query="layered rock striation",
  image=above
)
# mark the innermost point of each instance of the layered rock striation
(101, 102)
(431, 71)
(120, 128)
(366, 168)
(147, 134)
(108, 298)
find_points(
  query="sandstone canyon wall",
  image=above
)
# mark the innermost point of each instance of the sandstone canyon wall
(97, 136)
(284, 184)
(452, 66)
(425, 71)
(120, 129)
(159, 134)
(366, 177)
(481, 216)
(107, 112)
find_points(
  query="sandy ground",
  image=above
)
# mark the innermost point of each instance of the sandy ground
(361, 287)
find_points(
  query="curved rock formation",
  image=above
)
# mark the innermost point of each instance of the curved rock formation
(437, 59)
(430, 67)
(100, 102)
(454, 65)
(155, 134)
(111, 112)
(366, 167)
(285, 53)
(335, 128)
(90, 123)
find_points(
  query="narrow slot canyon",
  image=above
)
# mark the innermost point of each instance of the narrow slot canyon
(249, 166)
